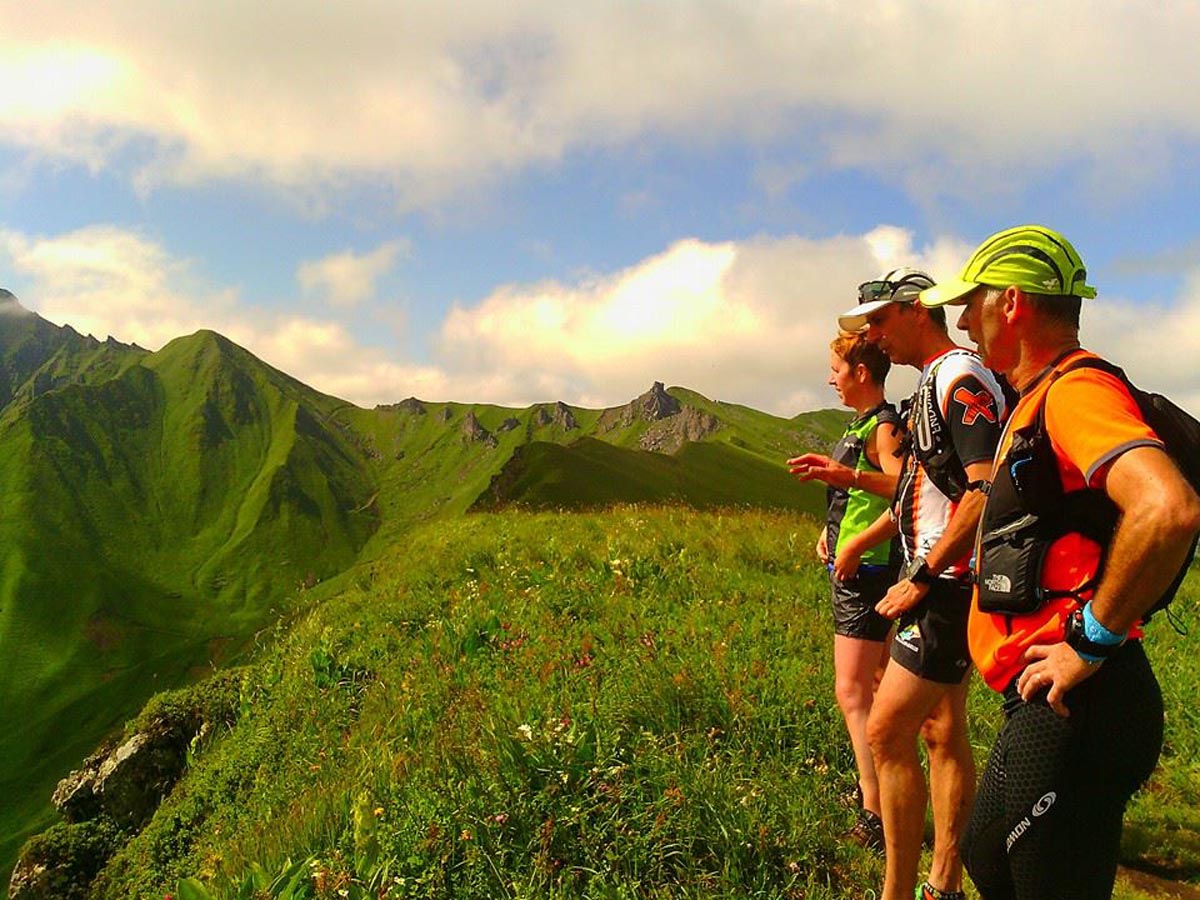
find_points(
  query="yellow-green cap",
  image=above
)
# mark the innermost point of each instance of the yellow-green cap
(1032, 257)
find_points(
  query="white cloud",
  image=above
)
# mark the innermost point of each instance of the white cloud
(307, 95)
(347, 279)
(1156, 345)
(746, 322)
(106, 281)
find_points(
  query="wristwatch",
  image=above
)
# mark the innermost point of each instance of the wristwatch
(1090, 651)
(918, 572)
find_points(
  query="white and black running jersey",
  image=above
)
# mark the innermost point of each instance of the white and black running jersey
(969, 414)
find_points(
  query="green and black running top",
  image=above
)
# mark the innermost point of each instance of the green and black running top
(852, 510)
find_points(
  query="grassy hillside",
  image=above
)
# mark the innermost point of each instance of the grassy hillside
(161, 508)
(590, 473)
(150, 520)
(429, 463)
(636, 703)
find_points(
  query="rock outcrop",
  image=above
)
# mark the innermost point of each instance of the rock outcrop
(118, 789)
(652, 406)
(670, 424)
(669, 434)
(60, 863)
(474, 432)
(128, 782)
(656, 404)
(559, 414)
(412, 405)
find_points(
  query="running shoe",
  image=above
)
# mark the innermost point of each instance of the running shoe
(867, 831)
(928, 892)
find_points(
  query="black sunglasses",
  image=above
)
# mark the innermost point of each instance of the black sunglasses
(882, 289)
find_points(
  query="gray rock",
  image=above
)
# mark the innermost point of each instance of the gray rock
(656, 404)
(653, 406)
(128, 782)
(474, 432)
(670, 434)
(559, 414)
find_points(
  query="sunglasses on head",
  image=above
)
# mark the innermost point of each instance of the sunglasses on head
(882, 289)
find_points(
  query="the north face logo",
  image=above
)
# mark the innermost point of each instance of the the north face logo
(998, 584)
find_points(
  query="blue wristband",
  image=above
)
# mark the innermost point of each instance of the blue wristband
(1097, 633)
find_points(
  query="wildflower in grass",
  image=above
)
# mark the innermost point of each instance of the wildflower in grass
(524, 732)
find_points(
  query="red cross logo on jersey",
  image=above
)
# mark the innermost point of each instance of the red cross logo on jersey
(976, 405)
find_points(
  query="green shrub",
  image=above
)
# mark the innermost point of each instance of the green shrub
(73, 855)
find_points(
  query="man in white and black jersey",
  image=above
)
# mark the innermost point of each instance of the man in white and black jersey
(954, 423)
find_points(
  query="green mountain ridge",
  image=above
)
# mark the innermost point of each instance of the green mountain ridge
(37, 356)
(162, 508)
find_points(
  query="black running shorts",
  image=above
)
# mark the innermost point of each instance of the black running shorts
(854, 604)
(931, 638)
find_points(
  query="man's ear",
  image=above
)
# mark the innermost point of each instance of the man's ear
(1014, 304)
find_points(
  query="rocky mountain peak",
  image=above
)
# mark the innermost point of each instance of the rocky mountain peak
(656, 404)
(653, 406)
(670, 434)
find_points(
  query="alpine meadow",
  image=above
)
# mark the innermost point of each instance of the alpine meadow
(261, 642)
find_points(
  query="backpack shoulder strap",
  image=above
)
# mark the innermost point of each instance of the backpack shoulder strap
(1086, 362)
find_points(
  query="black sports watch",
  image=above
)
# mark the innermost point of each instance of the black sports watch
(918, 572)
(1077, 640)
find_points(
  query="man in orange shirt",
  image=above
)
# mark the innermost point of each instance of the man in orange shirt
(1086, 525)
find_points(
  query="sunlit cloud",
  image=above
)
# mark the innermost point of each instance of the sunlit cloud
(107, 281)
(746, 322)
(347, 279)
(1157, 345)
(434, 105)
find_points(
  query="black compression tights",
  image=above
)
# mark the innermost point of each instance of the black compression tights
(1047, 818)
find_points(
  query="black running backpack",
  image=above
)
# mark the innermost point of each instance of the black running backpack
(1041, 511)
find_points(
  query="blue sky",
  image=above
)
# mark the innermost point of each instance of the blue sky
(524, 201)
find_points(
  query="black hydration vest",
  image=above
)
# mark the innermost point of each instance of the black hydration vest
(1028, 510)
